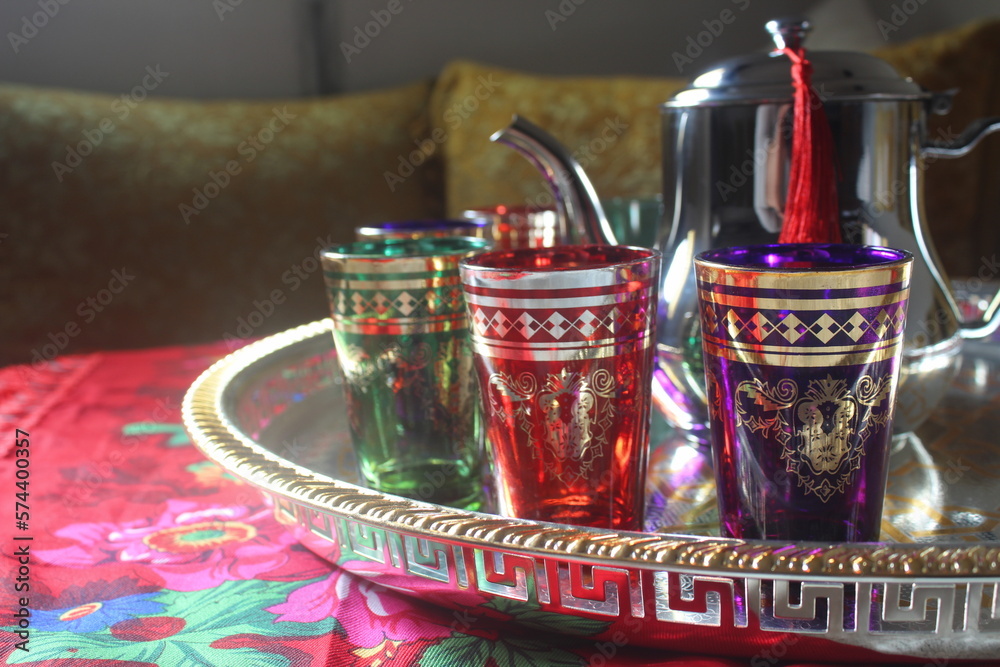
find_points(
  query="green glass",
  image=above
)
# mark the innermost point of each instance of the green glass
(634, 220)
(402, 338)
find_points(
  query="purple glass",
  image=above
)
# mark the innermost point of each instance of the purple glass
(801, 350)
(421, 229)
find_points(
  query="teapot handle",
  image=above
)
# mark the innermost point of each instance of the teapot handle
(966, 141)
(987, 323)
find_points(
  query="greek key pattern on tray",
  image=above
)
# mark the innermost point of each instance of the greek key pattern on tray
(820, 608)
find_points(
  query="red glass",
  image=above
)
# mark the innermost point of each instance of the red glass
(562, 340)
(512, 227)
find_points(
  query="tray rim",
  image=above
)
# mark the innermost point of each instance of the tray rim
(221, 441)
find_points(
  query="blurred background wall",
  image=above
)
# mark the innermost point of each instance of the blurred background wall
(292, 48)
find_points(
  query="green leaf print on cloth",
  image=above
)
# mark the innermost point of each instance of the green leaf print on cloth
(192, 629)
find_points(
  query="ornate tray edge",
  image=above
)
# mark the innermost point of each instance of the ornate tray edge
(222, 442)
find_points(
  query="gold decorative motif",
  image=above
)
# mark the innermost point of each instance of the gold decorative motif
(456, 382)
(713, 394)
(406, 367)
(822, 430)
(828, 420)
(577, 414)
(401, 365)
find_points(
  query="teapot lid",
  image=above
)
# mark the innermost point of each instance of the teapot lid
(766, 78)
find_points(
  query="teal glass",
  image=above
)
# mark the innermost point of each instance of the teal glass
(402, 339)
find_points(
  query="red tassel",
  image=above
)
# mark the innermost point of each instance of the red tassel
(811, 211)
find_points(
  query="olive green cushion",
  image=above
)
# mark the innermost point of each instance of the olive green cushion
(610, 124)
(90, 186)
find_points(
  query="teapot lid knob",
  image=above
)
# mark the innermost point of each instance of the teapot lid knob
(788, 32)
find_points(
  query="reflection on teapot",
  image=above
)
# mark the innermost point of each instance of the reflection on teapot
(726, 155)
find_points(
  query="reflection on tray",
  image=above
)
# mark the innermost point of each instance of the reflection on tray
(943, 479)
(671, 591)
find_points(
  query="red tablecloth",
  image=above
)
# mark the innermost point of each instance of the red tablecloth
(135, 550)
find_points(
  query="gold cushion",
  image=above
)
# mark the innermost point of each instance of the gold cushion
(210, 212)
(612, 125)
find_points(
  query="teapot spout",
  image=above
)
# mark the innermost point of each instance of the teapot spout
(576, 199)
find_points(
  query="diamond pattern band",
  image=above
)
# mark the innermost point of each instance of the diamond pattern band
(413, 303)
(783, 325)
(788, 328)
(551, 314)
(548, 326)
(559, 335)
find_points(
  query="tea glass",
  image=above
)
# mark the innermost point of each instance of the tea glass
(402, 340)
(563, 347)
(801, 349)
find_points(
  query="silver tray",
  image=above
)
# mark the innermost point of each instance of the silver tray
(273, 414)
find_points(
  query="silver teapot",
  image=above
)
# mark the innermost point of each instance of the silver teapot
(726, 156)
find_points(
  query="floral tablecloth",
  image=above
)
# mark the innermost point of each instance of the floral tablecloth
(129, 548)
